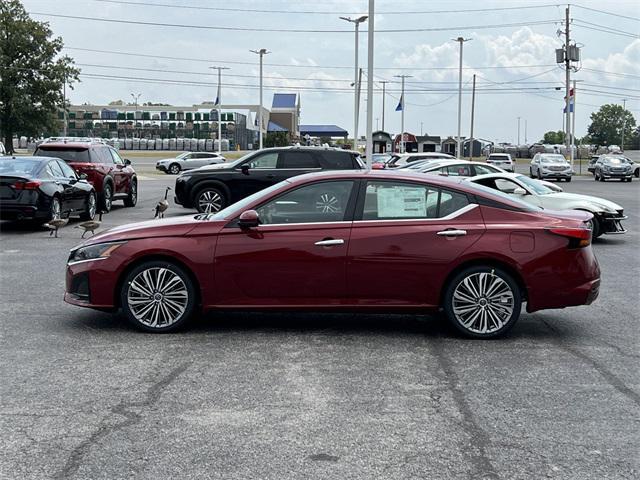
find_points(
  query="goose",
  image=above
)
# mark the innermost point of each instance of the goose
(54, 224)
(162, 205)
(90, 225)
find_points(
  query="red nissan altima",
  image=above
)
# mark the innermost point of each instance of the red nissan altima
(372, 241)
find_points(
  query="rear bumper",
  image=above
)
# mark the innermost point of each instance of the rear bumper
(14, 211)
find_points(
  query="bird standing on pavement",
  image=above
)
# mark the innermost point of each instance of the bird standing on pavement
(90, 226)
(54, 224)
(162, 205)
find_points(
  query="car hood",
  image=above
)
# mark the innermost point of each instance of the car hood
(214, 166)
(560, 199)
(165, 227)
(555, 164)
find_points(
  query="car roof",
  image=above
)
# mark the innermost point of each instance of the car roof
(308, 148)
(424, 154)
(76, 145)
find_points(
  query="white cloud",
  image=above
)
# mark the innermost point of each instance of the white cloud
(627, 62)
(523, 47)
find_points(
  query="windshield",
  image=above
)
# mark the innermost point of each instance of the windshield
(67, 154)
(511, 199)
(613, 160)
(182, 155)
(535, 185)
(238, 207)
(553, 159)
(20, 166)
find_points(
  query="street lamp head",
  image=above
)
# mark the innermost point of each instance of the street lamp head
(262, 51)
(355, 20)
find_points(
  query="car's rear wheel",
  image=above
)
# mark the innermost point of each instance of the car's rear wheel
(210, 200)
(55, 210)
(174, 169)
(132, 197)
(107, 197)
(483, 302)
(90, 208)
(158, 296)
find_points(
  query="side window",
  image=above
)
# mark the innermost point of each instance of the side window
(482, 170)
(67, 171)
(101, 155)
(506, 186)
(116, 158)
(451, 202)
(459, 171)
(336, 160)
(316, 203)
(293, 159)
(389, 201)
(53, 169)
(267, 160)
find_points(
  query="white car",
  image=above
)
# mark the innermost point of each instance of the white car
(607, 216)
(400, 160)
(501, 160)
(550, 165)
(188, 161)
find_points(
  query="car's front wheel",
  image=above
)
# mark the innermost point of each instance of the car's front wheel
(158, 296)
(107, 197)
(210, 200)
(174, 169)
(483, 302)
(90, 208)
(132, 196)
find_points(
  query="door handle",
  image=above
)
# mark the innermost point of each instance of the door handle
(329, 241)
(452, 233)
(271, 175)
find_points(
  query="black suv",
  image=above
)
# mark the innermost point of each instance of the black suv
(212, 188)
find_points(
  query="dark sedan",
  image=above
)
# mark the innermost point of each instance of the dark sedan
(41, 189)
(324, 241)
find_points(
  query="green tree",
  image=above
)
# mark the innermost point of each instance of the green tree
(31, 77)
(553, 137)
(607, 125)
(277, 139)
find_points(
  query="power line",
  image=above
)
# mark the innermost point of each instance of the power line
(636, 19)
(235, 62)
(295, 30)
(615, 74)
(317, 12)
(604, 28)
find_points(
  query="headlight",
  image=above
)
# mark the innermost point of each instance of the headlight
(99, 251)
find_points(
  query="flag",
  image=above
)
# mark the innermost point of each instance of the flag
(217, 103)
(571, 102)
(400, 106)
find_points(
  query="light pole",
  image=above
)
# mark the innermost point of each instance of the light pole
(384, 84)
(356, 22)
(135, 108)
(219, 104)
(518, 131)
(369, 148)
(460, 40)
(262, 52)
(624, 119)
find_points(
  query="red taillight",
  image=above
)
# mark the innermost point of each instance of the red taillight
(26, 185)
(578, 236)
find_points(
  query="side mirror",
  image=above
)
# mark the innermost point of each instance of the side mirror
(82, 176)
(249, 219)
(519, 191)
(245, 169)
(127, 161)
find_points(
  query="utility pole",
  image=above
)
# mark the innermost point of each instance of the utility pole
(567, 65)
(624, 121)
(473, 110)
(369, 147)
(219, 104)
(262, 52)
(421, 128)
(460, 40)
(357, 119)
(384, 84)
(377, 125)
(525, 131)
(64, 105)
(356, 99)
(135, 108)
(518, 131)
(403, 102)
(573, 126)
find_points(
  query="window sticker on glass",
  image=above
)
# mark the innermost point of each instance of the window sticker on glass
(401, 202)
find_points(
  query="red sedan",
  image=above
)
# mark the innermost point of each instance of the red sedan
(369, 241)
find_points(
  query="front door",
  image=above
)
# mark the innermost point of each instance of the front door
(257, 173)
(120, 173)
(295, 257)
(404, 238)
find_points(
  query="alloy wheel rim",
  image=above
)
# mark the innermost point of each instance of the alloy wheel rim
(134, 192)
(483, 303)
(174, 169)
(210, 202)
(157, 297)
(327, 203)
(107, 197)
(92, 205)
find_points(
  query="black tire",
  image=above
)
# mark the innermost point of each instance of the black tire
(601, 178)
(630, 179)
(568, 179)
(531, 173)
(596, 229)
(90, 207)
(174, 169)
(511, 299)
(539, 175)
(55, 209)
(637, 173)
(135, 312)
(106, 199)
(209, 200)
(595, 176)
(132, 197)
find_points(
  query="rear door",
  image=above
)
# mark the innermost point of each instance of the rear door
(404, 238)
(67, 200)
(78, 194)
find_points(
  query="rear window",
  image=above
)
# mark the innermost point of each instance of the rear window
(292, 159)
(338, 160)
(67, 154)
(19, 166)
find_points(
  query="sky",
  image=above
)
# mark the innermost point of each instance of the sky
(510, 49)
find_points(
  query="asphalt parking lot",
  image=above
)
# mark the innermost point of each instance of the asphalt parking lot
(288, 396)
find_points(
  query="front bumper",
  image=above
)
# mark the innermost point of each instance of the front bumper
(616, 174)
(558, 174)
(90, 284)
(611, 224)
(162, 168)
